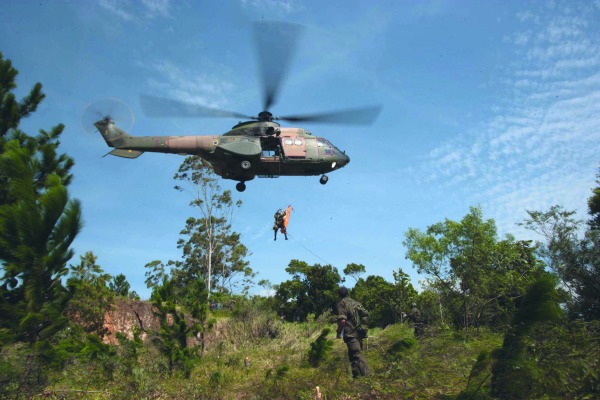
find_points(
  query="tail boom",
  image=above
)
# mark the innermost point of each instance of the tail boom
(133, 146)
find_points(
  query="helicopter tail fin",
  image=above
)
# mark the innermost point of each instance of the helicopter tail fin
(117, 138)
(113, 136)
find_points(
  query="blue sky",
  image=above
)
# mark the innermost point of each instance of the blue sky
(493, 103)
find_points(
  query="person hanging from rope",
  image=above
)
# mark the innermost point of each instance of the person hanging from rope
(281, 222)
(279, 219)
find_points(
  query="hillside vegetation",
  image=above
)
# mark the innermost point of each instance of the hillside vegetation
(440, 365)
(504, 318)
(278, 367)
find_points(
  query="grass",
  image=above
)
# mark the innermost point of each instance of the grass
(434, 367)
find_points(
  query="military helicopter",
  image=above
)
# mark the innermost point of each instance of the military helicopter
(258, 146)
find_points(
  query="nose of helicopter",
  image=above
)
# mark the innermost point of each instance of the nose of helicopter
(341, 160)
(344, 159)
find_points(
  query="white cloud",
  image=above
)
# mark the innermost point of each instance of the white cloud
(156, 8)
(274, 6)
(542, 147)
(118, 8)
(129, 10)
(189, 86)
(528, 16)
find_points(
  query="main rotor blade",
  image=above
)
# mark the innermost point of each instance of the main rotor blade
(276, 44)
(350, 116)
(161, 107)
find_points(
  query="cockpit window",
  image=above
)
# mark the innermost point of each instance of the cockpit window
(324, 146)
(298, 142)
(288, 142)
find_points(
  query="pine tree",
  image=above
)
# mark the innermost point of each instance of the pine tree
(38, 223)
(12, 111)
(119, 286)
(36, 231)
(320, 349)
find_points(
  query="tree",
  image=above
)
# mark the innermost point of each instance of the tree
(36, 232)
(404, 292)
(575, 260)
(171, 339)
(119, 286)
(196, 303)
(468, 265)
(376, 295)
(88, 271)
(38, 223)
(516, 373)
(11, 110)
(91, 298)
(156, 274)
(515, 267)
(320, 349)
(312, 290)
(267, 287)
(47, 162)
(594, 206)
(354, 270)
(212, 251)
(385, 300)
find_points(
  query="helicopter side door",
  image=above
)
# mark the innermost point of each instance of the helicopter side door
(294, 147)
(271, 156)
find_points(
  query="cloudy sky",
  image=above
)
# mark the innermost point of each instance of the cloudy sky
(493, 104)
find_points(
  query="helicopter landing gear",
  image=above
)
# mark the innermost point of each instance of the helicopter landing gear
(240, 186)
(245, 164)
(323, 179)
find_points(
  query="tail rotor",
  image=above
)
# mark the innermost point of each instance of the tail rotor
(113, 108)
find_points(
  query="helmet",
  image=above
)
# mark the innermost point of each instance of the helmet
(343, 291)
(413, 305)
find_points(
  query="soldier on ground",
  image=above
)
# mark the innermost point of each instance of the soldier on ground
(415, 317)
(352, 329)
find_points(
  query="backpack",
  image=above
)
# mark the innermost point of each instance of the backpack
(361, 319)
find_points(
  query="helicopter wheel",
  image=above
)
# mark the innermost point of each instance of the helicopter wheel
(240, 186)
(323, 179)
(246, 164)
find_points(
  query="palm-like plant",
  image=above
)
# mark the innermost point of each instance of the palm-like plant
(36, 232)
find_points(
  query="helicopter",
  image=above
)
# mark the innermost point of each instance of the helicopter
(259, 146)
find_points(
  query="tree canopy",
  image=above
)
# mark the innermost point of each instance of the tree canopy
(572, 255)
(312, 290)
(211, 250)
(385, 301)
(479, 276)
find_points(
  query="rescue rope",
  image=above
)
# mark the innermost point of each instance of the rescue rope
(307, 249)
(392, 306)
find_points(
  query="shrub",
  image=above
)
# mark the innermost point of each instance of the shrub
(320, 349)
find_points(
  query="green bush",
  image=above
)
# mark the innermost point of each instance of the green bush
(320, 349)
(399, 348)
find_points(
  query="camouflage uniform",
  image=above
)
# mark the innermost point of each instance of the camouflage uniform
(415, 316)
(358, 361)
(279, 219)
